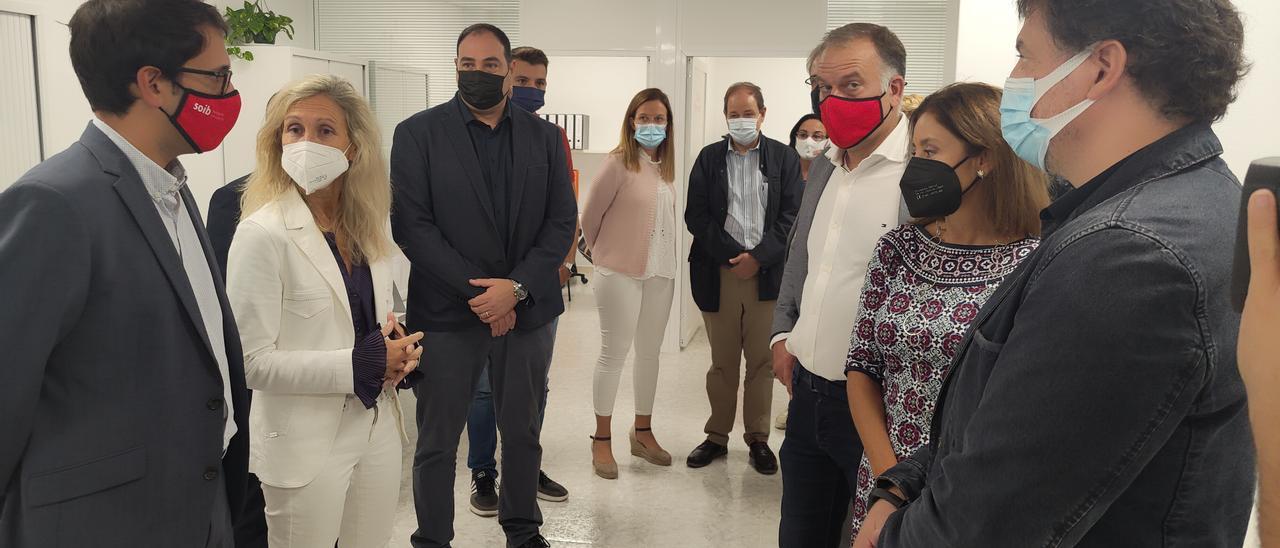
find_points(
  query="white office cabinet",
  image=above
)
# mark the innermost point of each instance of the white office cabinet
(272, 68)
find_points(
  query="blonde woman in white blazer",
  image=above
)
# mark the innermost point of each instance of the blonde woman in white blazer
(310, 278)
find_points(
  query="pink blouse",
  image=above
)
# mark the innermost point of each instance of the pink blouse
(618, 216)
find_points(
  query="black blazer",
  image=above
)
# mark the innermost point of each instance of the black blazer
(109, 391)
(224, 215)
(708, 207)
(443, 218)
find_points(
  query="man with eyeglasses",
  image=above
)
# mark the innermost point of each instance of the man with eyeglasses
(850, 200)
(122, 391)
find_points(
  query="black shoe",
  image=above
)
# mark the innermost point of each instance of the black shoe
(484, 493)
(549, 490)
(538, 541)
(762, 458)
(705, 453)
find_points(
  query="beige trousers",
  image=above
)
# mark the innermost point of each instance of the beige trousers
(741, 328)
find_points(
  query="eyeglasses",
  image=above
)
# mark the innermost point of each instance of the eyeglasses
(224, 74)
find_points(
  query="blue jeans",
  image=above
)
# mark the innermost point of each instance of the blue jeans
(482, 422)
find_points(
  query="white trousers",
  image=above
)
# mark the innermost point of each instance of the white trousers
(354, 498)
(631, 311)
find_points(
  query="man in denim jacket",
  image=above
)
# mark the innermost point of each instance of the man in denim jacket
(1096, 400)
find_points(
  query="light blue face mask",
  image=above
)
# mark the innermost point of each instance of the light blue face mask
(651, 135)
(1029, 136)
(744, 131)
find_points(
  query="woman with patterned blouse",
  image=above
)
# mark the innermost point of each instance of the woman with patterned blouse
(927, 280)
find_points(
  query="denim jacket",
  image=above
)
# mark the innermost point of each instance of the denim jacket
(1095, 400)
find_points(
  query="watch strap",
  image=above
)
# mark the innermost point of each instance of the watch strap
(886, 495)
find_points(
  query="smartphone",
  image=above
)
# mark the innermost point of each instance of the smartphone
(1264, 173)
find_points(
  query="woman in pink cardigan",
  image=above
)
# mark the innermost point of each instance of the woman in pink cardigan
(629, 221)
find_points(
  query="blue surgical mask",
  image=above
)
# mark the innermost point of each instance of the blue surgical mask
(528, 98)
(651, 135)
(1029, 136)
(743, 131)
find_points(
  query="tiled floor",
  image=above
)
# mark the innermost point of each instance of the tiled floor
(725, 504)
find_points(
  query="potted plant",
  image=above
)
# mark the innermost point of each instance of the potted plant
(254, 25)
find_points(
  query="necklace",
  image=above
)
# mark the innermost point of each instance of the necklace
(934, 260)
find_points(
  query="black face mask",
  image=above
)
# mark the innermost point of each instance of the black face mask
(481, 89)
(931, 188)
(813, 99)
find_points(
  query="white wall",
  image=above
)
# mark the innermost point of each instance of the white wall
(985, 53)
(985, 48)
(600, 87)
(1248, 131)
(754, 28)
(303, 13)
(781, 80)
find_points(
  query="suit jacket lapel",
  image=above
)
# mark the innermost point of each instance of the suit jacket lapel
(466, 153)
(773, 188)
(134, 194)
(380, 271)
(307, 236)
(524, 149)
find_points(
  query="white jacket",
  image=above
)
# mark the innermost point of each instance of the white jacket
(290, 303)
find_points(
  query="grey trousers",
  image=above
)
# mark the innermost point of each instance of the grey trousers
(451, 366)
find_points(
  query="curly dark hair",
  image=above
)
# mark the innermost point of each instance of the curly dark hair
(1186, 56)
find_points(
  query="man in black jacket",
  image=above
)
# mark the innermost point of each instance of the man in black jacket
(1095, 400)
(484, 209)
(122, 395)
(223, 215)
(744, 192)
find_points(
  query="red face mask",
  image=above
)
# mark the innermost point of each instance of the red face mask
(205, 120)
(850, 121)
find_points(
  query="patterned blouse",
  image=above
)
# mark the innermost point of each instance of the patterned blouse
(919, 298)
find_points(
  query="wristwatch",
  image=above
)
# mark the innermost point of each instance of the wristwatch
(520, 291)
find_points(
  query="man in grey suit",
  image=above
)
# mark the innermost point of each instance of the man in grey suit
(484, 209)
(121, 388)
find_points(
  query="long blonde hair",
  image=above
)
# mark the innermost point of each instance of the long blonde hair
(365, 203)
(629, 149)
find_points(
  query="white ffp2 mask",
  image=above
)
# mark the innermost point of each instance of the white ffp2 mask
(313, 165)
(809, 148)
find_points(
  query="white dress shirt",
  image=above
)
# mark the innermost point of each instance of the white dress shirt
(164, 186)
(855, 210)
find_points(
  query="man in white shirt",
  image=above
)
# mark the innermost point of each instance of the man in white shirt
(852, 200)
